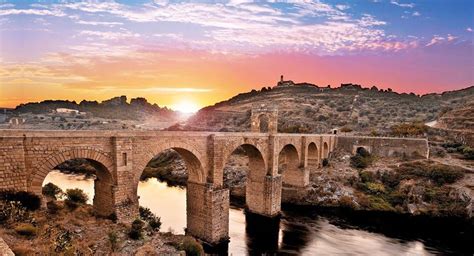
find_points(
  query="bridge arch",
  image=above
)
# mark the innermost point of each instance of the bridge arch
(313, 155)
(194, 160)
(257, 171)
(103, 184)
(325, 153)
(289, 165)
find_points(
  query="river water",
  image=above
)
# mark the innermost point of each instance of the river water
(303, 231)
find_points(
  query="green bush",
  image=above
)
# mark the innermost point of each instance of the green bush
(362, 159)
(468, 153)
(391, 179)
(26, 229)
(191, 247)
(51, 190)
(75, 197)
(136, 230)
(379, 204)
(440, 174)
(113, 240)
(373, 188)
(28, 200)
(153, 221)
(366, 176)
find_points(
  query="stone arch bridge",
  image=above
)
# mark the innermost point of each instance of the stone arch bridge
(275, 160)
(120, 157)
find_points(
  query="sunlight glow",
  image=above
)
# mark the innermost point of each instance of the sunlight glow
(186, 107)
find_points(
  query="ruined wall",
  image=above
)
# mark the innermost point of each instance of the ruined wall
(384, 146)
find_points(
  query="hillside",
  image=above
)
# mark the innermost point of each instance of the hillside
(112, 114)
(309, 108)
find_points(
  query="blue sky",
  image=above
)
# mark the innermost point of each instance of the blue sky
(58, 47)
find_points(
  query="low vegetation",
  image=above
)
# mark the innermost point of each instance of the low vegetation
(420, 187)
(26, 199)
(75, 197)
(153, 221)
(136, 229)
(191, 247)
(52, 191)
(362, 159)
(26, 229)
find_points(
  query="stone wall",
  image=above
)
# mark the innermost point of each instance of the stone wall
(384, 146)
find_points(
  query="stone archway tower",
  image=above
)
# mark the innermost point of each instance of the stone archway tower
(270, 112)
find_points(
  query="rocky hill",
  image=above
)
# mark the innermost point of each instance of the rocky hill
(115, 108)
(308, 108)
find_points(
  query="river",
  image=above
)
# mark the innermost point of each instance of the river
(302, 231)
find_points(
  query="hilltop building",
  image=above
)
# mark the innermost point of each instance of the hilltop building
(283, 83)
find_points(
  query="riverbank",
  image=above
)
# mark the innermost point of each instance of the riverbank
(79, 232)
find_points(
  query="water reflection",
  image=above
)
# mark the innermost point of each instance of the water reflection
(300, 231)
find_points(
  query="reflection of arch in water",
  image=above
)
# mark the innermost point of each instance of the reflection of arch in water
(313, 156)
(288, 166)
(103, 201)
(261, 234)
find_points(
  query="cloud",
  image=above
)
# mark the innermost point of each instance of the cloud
(435, 40)
(416, 14)
(469, 29)
(409, 5)
(39, 12)
(99, 23)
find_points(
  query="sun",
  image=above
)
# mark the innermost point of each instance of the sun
(187, 107)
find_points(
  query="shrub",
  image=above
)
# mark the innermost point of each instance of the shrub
(468, 153)
(373, 188)
(13, 211)
(325, 162)
(391, 179)
(136, 231)
(346, 129)
(113, 240)
(405, 130)
(26, 229)
(362, 159)
(51, 190)
(379, 204)
(346, 202)
(28, 200)
(191, 247)
(63, 241)
(440, 174)
(75, 197)
(366, 176)
(53, 207)
(153, 221)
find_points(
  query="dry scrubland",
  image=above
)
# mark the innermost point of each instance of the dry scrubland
(70, 228)
(310, 109)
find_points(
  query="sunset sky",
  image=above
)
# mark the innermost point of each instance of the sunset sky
(199, 53)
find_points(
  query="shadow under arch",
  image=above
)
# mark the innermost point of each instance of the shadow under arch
(289, 166)
(313, 156)
(104, 183)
